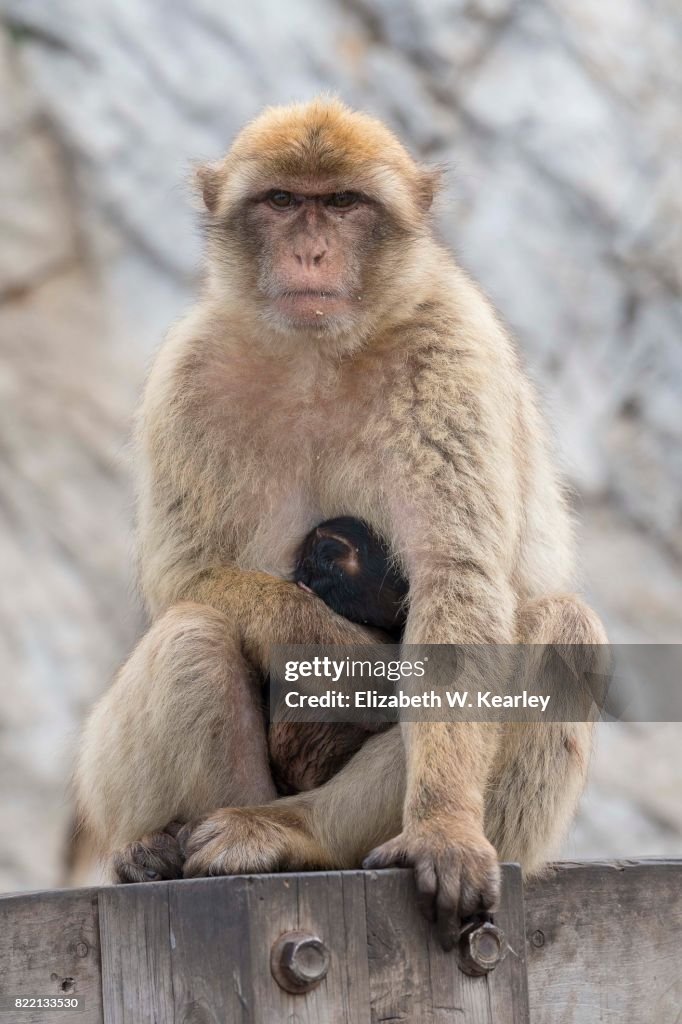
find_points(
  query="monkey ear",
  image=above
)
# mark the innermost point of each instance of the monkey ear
(209, 180)
(429, 184)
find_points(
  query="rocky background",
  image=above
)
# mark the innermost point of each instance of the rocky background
(560, 123)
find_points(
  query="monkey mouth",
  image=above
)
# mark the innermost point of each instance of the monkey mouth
(310, 305)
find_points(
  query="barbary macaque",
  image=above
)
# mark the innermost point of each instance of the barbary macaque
(338, 362)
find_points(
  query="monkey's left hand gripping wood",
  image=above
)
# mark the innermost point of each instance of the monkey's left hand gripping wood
(320, 948)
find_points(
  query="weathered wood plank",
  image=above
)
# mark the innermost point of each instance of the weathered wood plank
(49, 945)
(136, 971)
(508, 984)
(210, 940)
(413, 981)
(208, 945)
(334, 906)
(605, 944)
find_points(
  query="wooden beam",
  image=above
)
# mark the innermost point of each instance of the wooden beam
(600, 943)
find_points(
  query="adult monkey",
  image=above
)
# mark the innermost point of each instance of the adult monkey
(338, 361)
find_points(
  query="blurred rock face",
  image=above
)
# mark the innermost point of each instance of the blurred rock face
(559, 123)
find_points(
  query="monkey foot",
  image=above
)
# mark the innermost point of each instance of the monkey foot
(156, 857)
(241, 840)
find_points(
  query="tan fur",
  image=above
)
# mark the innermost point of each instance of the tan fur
(419, 421)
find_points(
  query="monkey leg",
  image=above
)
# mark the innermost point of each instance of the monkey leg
(336, 826)
(266, 611)
(537, 776)
(333, 826)
(180, 732)
(540, 768)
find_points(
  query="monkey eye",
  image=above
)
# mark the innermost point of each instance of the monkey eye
(343, 200)
(280, 199)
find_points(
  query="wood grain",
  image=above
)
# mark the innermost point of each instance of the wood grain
(589, 944)
(413, 981)
(198, 952)
(605, 944)
(137, 984)
(49, 946)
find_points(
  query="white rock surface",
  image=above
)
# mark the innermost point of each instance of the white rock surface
(559, 123)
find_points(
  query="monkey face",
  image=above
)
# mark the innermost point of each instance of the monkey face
(312, 215)
(313, 252)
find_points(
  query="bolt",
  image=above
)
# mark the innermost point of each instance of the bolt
(299, 961)
(81, 949)
(538, 939)
(481, 948)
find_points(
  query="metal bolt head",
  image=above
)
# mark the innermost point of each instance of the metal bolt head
(481, 948)
(299, 961)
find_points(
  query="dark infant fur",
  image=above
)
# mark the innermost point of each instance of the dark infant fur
(347, 565)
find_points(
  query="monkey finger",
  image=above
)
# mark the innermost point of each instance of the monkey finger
(463, 895)
(201, 865)
(207, 850)
(426, 881)
(193, 838)
(183, 836)
(479, 897)
(447, 904)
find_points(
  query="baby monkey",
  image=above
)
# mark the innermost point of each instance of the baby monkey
(349, 567)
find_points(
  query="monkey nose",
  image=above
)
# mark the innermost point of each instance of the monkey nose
(310, 257)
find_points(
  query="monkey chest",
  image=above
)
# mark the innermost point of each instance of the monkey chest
(293, 457)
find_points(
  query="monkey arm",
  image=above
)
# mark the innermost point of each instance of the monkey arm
(449, 764)
(267, 610)
(450, 523)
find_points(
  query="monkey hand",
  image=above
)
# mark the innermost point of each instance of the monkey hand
(245, 840)
(456, 871)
